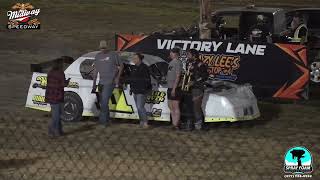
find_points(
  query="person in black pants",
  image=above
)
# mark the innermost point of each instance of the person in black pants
(199, 76)
(140, 86)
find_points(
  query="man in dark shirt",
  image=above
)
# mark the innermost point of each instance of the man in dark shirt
(259, 33)
(140, 86)
(55, 96)
(200, 74)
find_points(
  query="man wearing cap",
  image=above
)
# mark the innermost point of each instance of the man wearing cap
(298, 31)
(109, 66)
(174, 93)
(260, 33)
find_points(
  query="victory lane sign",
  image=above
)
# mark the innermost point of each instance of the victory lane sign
(274, 70)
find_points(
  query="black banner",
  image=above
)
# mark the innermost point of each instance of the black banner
(274, 70)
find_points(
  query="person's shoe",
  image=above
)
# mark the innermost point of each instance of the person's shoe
(141, 124)
(51, 136)
(62, 133)
(107, 124)
(197, 127)
(176, 128)
(54, 135)
(104, 125)
(145, 125)
(187, 129)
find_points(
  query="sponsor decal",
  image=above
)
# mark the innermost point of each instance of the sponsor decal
(220, 66)
(156, 97)
(39, 100)
(298, 162)
(23, 16)
(156, 112)
(73, 85)
(42, 83)
(118, 102)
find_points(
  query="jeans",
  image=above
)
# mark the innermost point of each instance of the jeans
(106, 93)
(197, 103)
(140, 100)
(55, 126)
(198, 114)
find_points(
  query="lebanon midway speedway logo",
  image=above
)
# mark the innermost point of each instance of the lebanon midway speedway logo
(298, 162)
(23, 16)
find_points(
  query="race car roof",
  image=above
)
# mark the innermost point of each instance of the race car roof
(246, 9)
(148, 59)
(91, 54)
(126, 56)
(307, 9)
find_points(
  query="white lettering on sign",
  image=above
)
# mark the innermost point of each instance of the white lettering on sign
(22, 13)
(212, 46)
(246, 49)
(204, 46)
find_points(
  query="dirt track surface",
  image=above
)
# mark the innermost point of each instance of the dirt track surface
(244, 150)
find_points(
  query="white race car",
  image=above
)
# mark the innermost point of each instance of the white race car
(223, 101)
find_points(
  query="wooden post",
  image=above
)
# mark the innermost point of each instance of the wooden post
(205, 23)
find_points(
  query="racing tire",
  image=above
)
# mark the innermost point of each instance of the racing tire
(313, 70)
(72, 107)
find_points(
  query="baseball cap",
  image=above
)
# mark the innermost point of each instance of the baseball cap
(103, 44)
(175, 50)
(260, 17)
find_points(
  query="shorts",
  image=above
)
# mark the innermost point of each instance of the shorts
(178, 95)
(196, 92)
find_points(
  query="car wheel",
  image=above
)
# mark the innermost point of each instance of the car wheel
(315, 73)
(72, 107)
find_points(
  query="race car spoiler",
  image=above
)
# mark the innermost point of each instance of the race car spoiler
(40, 67)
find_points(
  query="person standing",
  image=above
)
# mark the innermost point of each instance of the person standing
(199, 71)
(109, 67)
(140, 86)
(174, 92)
(55, 96)
(260, 33)
(298, 31)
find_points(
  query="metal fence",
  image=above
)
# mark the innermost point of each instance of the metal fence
(241, 150)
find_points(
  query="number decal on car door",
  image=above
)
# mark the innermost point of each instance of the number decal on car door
(118, 102)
